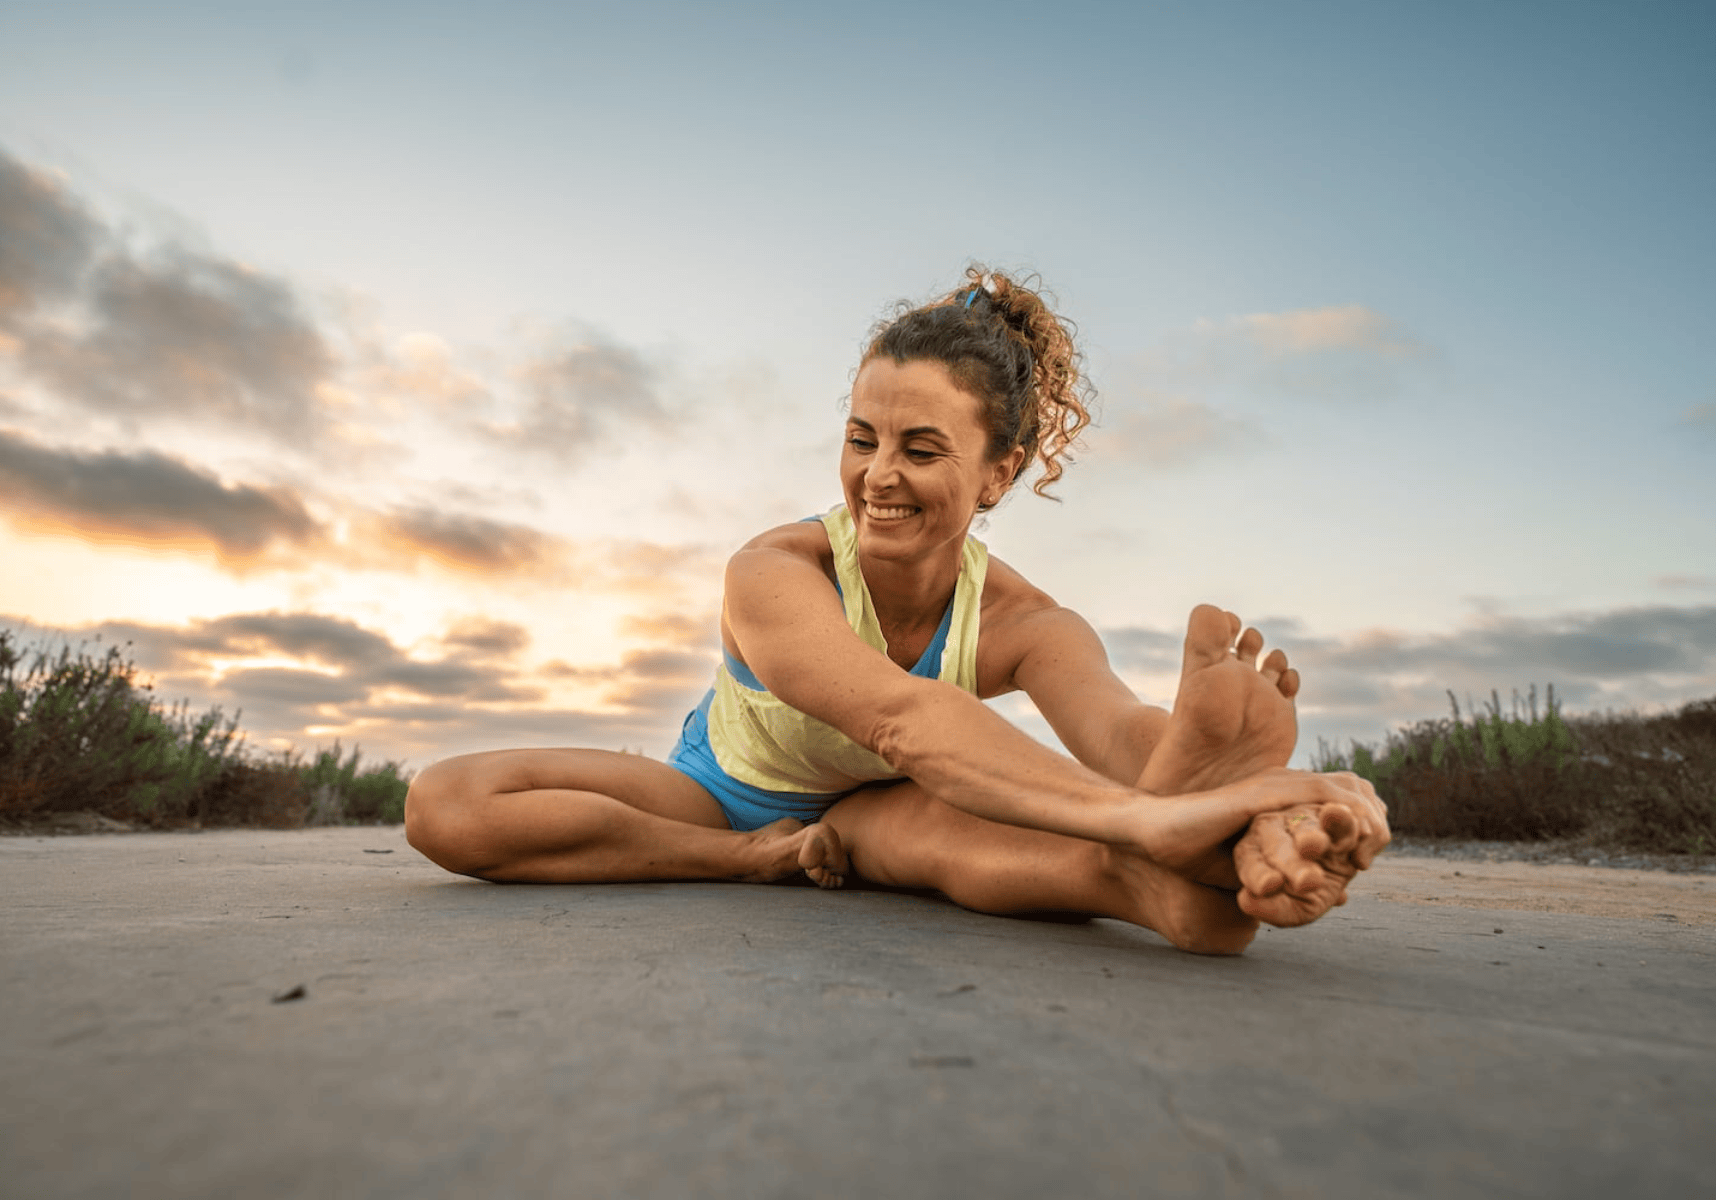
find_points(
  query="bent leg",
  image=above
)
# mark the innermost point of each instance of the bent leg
(594, 816)
(904, 837)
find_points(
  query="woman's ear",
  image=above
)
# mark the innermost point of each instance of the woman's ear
(1007, 469)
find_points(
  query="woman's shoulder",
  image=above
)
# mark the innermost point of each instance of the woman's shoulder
(801, 539)
(1017, 617)
(1008, 595)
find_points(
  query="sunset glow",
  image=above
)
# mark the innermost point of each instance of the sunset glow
(409, 383)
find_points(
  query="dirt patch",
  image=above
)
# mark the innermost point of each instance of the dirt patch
(1687, 899)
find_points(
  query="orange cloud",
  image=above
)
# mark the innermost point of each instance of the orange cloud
(1312, 330)
(458, 542)
(148, 499)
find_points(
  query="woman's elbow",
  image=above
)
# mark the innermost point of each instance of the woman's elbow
(905, 724)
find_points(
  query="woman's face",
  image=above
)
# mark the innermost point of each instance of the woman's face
(915, 465)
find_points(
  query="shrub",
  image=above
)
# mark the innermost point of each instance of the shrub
(1645, 783)
(78, 732)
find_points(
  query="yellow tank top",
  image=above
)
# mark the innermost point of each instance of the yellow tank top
(767, 743)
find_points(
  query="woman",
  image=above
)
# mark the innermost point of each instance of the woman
(856, 649)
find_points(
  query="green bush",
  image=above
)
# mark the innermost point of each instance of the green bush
(341, 794)
(1646, 783)
(79, 733)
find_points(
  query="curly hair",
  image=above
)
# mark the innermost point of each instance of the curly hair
(1001, 342)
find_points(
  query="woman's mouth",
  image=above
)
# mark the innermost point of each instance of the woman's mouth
(877, 512)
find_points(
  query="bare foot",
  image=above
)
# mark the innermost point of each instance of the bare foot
(1231, 718)
(1289, 818)
(1297, 863)
(1196, 918)
(822, 857)
(785, 847)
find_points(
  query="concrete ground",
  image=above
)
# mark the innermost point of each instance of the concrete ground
(455, 1038)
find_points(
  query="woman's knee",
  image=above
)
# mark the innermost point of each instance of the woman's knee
(439, 822)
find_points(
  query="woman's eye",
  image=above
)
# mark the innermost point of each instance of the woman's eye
(921, 455)
(858, 443)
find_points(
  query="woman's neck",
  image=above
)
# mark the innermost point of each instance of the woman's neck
(911, 594)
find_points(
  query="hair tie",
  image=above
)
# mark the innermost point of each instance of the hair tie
(970, 296)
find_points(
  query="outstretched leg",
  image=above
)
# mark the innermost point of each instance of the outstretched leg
(593, 816)
(904, 837)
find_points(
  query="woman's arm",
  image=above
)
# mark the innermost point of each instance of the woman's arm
(1059, 662)
(791, 630)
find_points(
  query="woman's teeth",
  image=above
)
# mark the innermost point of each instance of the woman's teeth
(878, 513)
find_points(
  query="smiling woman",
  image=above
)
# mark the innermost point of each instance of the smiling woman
(844, 735)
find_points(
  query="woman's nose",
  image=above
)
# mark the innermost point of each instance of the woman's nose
(884, 470)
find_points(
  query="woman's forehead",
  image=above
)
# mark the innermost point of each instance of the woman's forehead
(912, 394)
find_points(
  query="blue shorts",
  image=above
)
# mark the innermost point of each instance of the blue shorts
(746, 807)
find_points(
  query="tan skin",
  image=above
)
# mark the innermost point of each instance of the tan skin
(1186, 823)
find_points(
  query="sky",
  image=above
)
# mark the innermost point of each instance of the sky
(404, 374)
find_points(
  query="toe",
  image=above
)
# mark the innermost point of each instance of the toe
(1274, 666)
(1255, 872)
(823, 857)
(1209, 634)
(1311, 839)
(1341, 827)
(1280, 849)
(1289, 684)
(1250, 643)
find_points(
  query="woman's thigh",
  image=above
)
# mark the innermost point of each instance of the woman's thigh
(643, 783)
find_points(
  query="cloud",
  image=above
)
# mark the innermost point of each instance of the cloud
(653, 569)
(1363, 684)
(699, 632)
(462, 543)
(146, 497)
(662, 681)
(188, 335)
(47, 239)
(149, 332)
(1590, 652)
(291, 672)
(1166, 431)
(1135, 648)
(1700, 419)
(300, 678)
(487, 638)
(419, 369)
(312, 689)
(168, 332)
(582, 393)
(331, 642)
(1350, 327)
(1689, 583)
(1345, 352)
